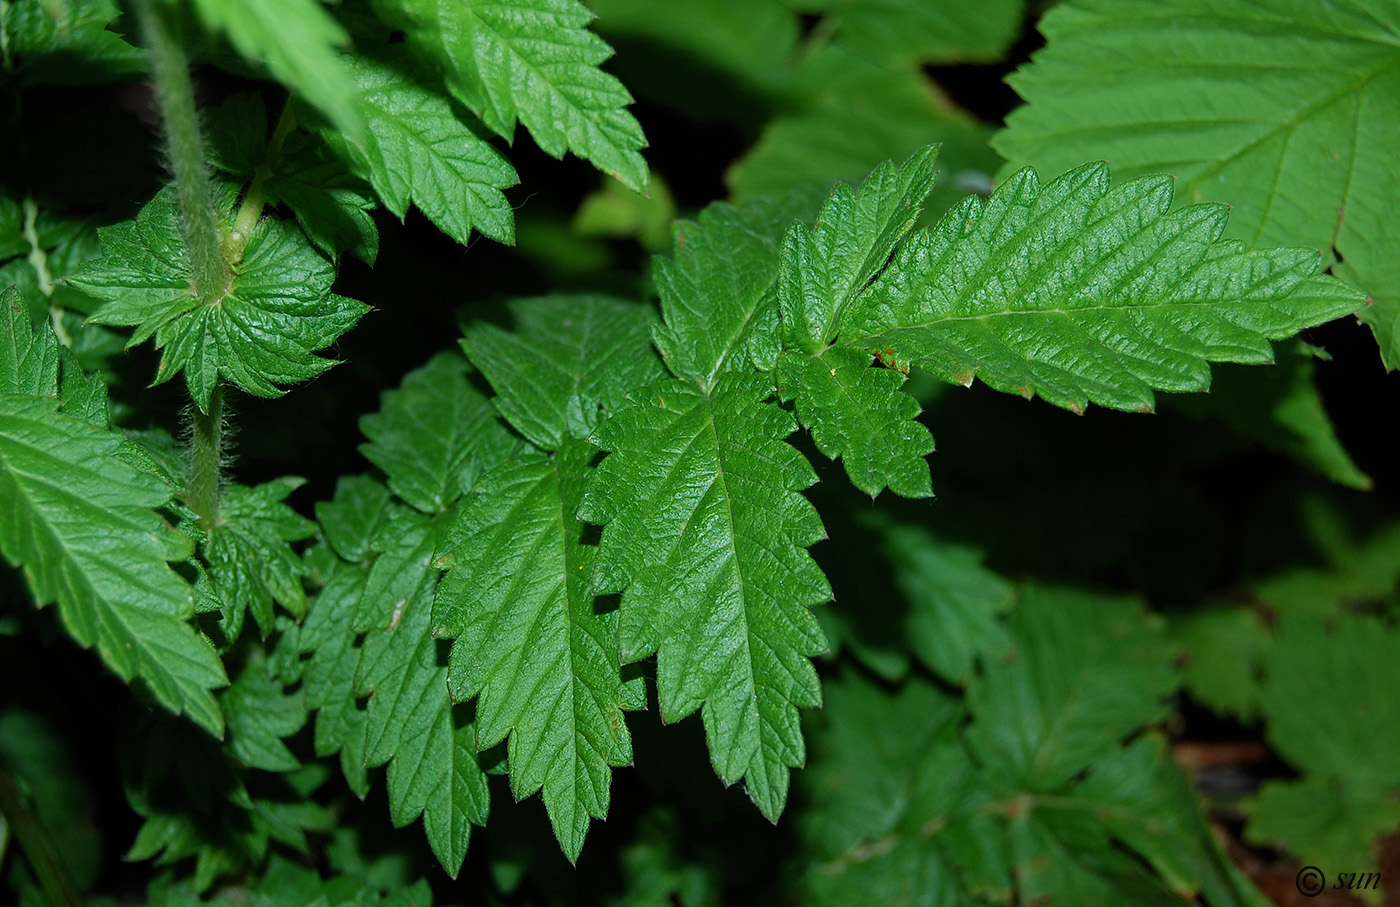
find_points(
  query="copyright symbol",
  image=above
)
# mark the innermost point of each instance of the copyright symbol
(1310, 881)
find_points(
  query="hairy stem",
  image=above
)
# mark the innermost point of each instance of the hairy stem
(39, 848)
(206, 459)
(185, 146)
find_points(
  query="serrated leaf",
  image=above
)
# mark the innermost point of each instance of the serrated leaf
(856, 412)
(569, 362)
(1283, 409)
(955, 602)
(410, 720)
(82, 525)
(329, 678)
(65, 42)
(332, 205)
(265, 329)
(416, 149)
(351, 519)
(259, 715)
(704, 534)
(251, 564)
(1081, 293)
(719, 290)
(435, 435)
(535, 61)
(1305, 159)
(1084, 672)
(1350, 730)
(1325, 822)
(529, 644)
(1223, 650)
(297, 39)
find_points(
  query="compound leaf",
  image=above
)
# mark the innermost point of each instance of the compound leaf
(1305, 153)
(569, 361)
(415, 149)
(264, 331)
(434, 435)
(81, 523)
(704, 534)
(535, 61)
(1081, 293)
(297, 39)
(529, 644)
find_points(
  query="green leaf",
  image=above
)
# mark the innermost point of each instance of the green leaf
(1356, 566)
(1304, 160)
(846, 114)
(1281, 408)
(719, 291)
(64, 42)
(704, 535)
(1084, 673)
(570, 361)
(1328, 699)
(435, 435)
(1083, 294)
(613, 210)
(854, 411)
(250, 561)
(410, 721)
(259, 715)
(535, 61)
(897, 32)
(352, 518)
(264, 331)
(1327, 822)
(955, 603)
(81, 523)
(1224, 648)
(297, 39)
(332, 205)
(529, 644)
(416, 149)
(329, 679)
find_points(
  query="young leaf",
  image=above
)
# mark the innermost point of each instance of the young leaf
(435, 435)
(81, 522)
(536, 61)
(704, 534)
(569, 361)
(517, 596)
(1303, 161)
(297, 39)
(264, 331)
(251, 564)
(1083, 294)
(410, 722)
(415, 148)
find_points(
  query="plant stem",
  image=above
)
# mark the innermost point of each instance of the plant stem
(39, 849)
(206, 459)
(251, 209)
(185, 145)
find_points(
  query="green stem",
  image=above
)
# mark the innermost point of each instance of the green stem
(251, 209)
(39, 848)
(185, 144)
(206, 459)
